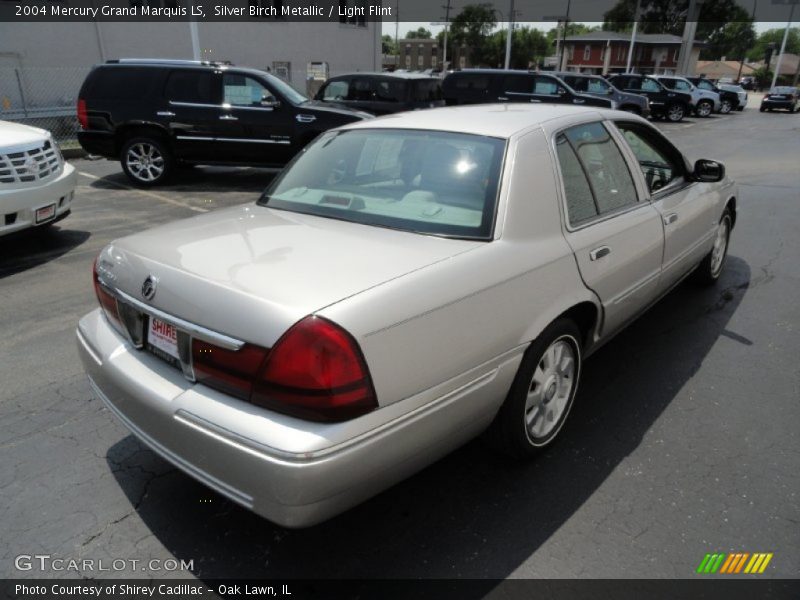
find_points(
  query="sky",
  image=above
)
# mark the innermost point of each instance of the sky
(406, 26)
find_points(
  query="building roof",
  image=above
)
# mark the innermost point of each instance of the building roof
(721, 68)
(616, 36)
(491, 120)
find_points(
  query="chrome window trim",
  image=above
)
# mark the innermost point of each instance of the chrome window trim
(194, 104)
(240, 140)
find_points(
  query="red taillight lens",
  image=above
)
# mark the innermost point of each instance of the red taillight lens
(230, 371)
(107, 302)
(316, 371)
(83, 117)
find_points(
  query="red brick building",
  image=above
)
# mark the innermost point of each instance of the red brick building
(607, 52)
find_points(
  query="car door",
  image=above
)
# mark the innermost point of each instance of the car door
(687, 208)
(191, 111)
(253, 127)
(617, 237)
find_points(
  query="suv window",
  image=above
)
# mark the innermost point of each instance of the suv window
(241, 90)
(518, 84)
(190, 86)
(659, 164)
(121, 83)
(597, 86)
(427, 90)
(648, 85)
(389, 90)
(706, 85)
(360, 90)
(547, 86)
(472, 82)
(336, 90)
(683, 86)
(602, 162)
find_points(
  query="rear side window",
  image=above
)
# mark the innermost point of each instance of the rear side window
(518, 84)
(475, 83)
(648, 85)
(389, 90)
(602, 166)
(545, 85)
(360, 90)
(190, 86)
(429, 90)
(122, 83)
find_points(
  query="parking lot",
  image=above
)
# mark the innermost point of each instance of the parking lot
(684, 438)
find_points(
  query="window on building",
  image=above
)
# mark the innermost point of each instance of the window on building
(587, 52)
(408, 61)
(570, 51)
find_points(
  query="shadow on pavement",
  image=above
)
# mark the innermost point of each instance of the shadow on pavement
(199, 179)
(32, 247)
(473, 514)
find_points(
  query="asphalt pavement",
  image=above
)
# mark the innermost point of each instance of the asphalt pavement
(684, 440)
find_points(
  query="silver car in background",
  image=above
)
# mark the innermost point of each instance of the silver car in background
(405, 284)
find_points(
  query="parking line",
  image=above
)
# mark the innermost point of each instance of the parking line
(153, 195)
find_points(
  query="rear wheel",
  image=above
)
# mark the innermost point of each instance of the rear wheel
(675, 113)
(542, 393)
(146, 161)
(710, 268)
(704, 108)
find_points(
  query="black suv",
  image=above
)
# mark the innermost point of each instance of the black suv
(728, 101)
(383, 93)
(480, 86)
(664, 102)
(151, 115)
(597, 86)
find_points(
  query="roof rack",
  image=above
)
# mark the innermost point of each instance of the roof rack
(171, 61)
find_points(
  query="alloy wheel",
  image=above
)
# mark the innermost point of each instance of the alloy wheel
(145, 162)
(550, 389)
(720, 249)
(703, 109)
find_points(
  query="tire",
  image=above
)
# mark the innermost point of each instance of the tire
(542, 393)
(675, 113)
(726, 107)
(740, 108)
(704, 109)
(710, 268)
(147, 161)
(761, 109)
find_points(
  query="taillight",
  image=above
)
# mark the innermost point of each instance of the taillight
(83, 117)
(316, 371)
(107, 302)
(230, 371)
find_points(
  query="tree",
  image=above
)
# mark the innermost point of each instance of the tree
(774, 36)
(731, 40)
(528, 47)
(572, 29)
(471, 28)
(419, 34)
(388, 45)
(763, 77)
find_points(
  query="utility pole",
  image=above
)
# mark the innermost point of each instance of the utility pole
(783, 44)
(564, 38)
(396, 33)
(446, 8)
(510, 34)
(689, 31)
(741, 62)
(636, 17)
(195, 40)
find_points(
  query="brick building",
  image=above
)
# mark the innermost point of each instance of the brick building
(601, 52)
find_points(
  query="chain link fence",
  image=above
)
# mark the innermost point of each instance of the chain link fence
(43, 97)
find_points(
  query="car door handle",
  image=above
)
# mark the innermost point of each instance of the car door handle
(228, 118)
(503, 98)
(600, 252)
(306, 118)
(577, 101)
(165, 113)
(670, 218)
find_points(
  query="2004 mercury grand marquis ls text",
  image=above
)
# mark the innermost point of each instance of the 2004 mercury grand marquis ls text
(403, 285)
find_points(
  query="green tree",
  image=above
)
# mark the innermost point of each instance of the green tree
(388, 45)
(572, 29)
(731, 40)
(763, 77)
(528, 47)
(419, 34)
(471, 28)
(774, 36)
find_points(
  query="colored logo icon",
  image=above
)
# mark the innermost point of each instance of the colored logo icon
(735, 563)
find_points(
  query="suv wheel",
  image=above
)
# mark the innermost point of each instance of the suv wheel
(675, 113)
(725, 107)
(704, 108)
(146, 161)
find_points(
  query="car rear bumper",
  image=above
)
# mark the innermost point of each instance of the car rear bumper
(101, 143)
(293, 472)
(777, 103)
(18, 206)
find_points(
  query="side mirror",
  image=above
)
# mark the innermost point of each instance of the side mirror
(708, 171)
(610, 91)
(268, 101)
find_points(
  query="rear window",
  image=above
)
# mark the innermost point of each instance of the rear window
(190, 86)
(472, 82)
(429, 90)
(429, 182)
(390, 90)
(122, 83)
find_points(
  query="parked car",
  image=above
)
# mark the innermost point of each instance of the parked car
(394, 293)
(597, 86)
(383, 93)
(152, 115)
(748, 83)
(704, 102)
(728, 100)
(482, 86)
(36, 184)
(739, 91)
(783, 97)
(669, 104)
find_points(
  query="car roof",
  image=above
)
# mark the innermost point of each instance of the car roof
(387, 74)
(491, 120)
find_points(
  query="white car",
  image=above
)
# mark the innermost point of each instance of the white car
(404, 284)
(739, 91)
(36, 184)
(704, 102)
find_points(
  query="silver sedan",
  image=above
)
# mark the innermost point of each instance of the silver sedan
(405, 284)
